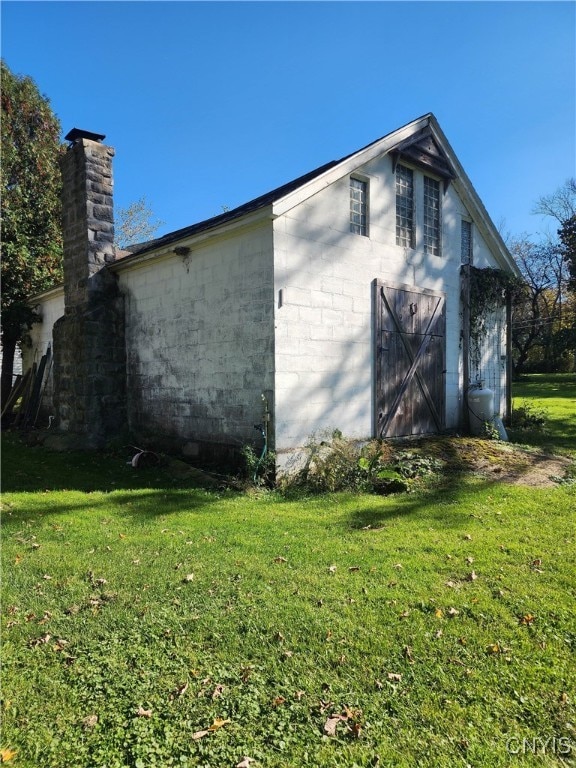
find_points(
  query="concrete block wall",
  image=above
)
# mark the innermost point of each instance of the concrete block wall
(51, 308)
(200, 340)
(324, 308)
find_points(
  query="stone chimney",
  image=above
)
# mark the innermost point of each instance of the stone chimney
(89, 344)
(88, 216)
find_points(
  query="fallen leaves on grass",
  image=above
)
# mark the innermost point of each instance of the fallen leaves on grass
(350, 718)
(6, 755)
(141, 712)
(178, 691)
(90, 721)
(34, 643)
(496, 648)
(472, 576)
(216, 725)
(245, 762)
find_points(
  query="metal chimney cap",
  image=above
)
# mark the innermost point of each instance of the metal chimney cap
(77, 133)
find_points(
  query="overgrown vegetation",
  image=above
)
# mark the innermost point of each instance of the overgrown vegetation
(488, 289)
(336, 463)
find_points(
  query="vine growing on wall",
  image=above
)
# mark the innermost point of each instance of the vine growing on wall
(488, 288)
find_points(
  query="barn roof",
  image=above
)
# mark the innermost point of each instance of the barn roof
(223, 218)
(269, 198)
(420, 142)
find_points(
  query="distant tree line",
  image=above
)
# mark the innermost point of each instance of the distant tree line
(544, 309)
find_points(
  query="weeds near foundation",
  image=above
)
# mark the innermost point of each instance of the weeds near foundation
(336, 463)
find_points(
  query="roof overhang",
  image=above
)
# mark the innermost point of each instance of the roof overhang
(421, 143)
(189, 240)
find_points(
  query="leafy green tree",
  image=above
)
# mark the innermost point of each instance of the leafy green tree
(30, 207)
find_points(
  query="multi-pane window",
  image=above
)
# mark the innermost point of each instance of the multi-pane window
(466, 242)
(359, 207)
(404, 206)
(431, 216)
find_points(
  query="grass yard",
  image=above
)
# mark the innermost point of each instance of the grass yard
(554, 396)
(150, 624)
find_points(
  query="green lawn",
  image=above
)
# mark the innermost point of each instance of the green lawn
(555, 396)
(149, 624)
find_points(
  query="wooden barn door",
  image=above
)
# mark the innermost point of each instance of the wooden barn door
(410, 360)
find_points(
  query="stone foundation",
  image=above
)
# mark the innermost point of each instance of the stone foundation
(90, 372)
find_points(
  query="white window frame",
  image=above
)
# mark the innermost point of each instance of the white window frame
(466, 241)
(359, 206)
(405, 211)
(432, 216)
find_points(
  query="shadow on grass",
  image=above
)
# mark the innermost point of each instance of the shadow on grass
(103, 479)
(30, 469)
(148, 504)
(439, 505)
(542, 385)
(441, 499)
(558, 437)
(555, 394)
(106, 481)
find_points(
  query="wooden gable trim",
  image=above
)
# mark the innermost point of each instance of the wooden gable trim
(423, 151)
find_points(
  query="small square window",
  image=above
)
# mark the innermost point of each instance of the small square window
(359, 207)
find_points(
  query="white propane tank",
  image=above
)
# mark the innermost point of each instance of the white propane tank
(481, 407)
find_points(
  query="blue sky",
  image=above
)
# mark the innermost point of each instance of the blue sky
(209, 104)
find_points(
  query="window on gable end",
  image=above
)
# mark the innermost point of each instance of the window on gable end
(359, 207)
(466, 242)
(404, 206)
(431, 216)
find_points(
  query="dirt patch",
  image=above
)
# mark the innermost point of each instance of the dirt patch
(496, 460)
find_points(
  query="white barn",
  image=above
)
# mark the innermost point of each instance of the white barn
(333, 302)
